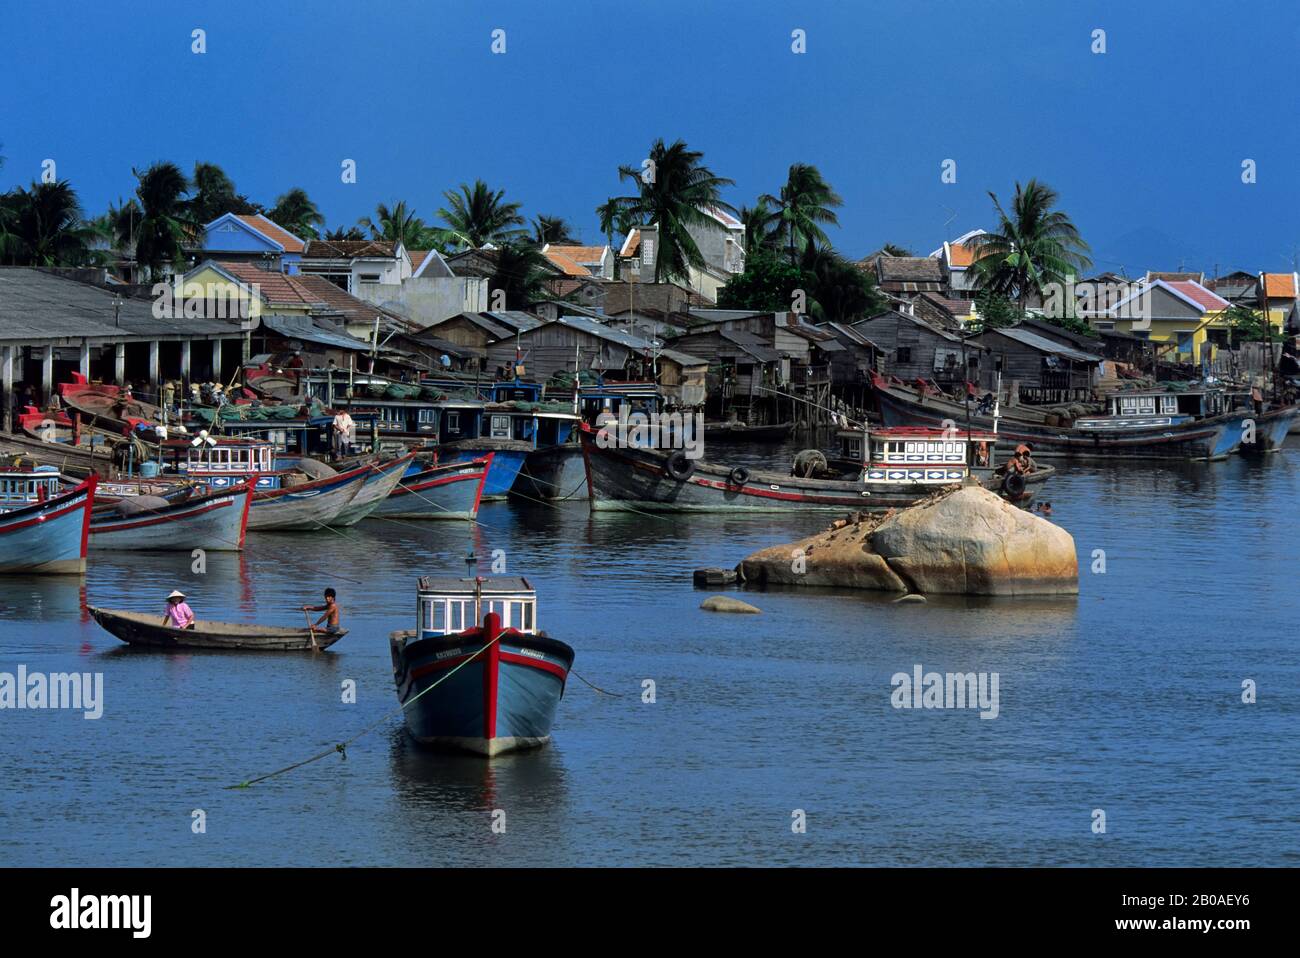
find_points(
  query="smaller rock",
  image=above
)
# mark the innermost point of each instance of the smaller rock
(723, 603)
(910, 597)
(714, 576)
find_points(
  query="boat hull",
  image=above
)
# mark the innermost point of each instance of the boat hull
(50, 537)
(377, 487)
(214, 523)
(1270, 430)
(139, 628)
(451, 490)
(553, 473)
(506, 462)
(501, 696)
(1208, 439)
(311, 505)
(639, 480)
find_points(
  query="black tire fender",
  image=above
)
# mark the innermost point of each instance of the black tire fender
(738, 476)
(679, 466)
(1013, 484)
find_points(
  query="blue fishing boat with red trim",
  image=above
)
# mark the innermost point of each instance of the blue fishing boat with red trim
(448, 490)
(43, 528)
(484, 688)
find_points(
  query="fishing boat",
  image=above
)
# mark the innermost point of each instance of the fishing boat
(449, 490)
(283, 499)
(378, 485)
(43, 528)
(901, 467)
(484, 688)
(215, 522)
(1139, 424)
(736, 431)
(143, 628)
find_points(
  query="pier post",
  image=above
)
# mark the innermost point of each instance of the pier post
(119, 363)
(83, 359)
(185, 362)
(216, 360)
(7, 385)
(47, 375)
(154, 374)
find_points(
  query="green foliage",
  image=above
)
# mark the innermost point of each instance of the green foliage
(478, 216)
(165, 216)
(551, 229)
(1032, 246)
(521, 270)
(44, 226)
(674, 187)
(766, 285)
(838, 291)
(296, 212)
(805, 202)
(996, 310)
(215, 195)
(1250, 325)
(399, 224)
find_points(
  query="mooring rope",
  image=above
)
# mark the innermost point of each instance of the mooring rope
(341, 747)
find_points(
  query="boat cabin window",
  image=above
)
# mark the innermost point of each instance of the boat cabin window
(447, 615)
(500, 427)
(22, 489)
(921, 450)
(453, 422)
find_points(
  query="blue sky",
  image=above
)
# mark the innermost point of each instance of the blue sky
(1144, 142)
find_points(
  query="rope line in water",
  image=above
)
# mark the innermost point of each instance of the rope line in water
(341, 747)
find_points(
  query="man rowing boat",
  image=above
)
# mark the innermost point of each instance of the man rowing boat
(331, 610)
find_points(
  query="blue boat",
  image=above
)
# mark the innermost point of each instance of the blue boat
(449, 490)
(43, 528)
(487, 688)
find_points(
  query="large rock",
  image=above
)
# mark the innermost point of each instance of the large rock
(967, 542)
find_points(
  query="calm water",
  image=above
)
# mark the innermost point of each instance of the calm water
(1126, 699)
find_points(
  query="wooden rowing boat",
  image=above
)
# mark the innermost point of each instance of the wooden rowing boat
(742, 432)
(141, 628)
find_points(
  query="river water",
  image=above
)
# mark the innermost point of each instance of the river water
(1125, 702)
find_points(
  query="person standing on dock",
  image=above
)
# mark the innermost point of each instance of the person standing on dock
(331, 610)
(179, 615)
(343, 427)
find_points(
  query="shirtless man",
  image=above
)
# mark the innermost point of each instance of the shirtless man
(331, 610)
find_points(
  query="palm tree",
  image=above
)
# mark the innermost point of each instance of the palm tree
(892, 249)
(215, 195)
(296, 212)
(165, 221)
(477, 216)
(399, 224)
(551, 229)
(344, 233)
(804, 203)
(1033, 246)
(521, 269)
(840, 291)
(759, 235)
(679, 188)
(46, 226)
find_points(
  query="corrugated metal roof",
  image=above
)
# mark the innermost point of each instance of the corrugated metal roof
(1045, 345)
(37, 306)
(593, 328)
(517, 320)
(301, 327)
